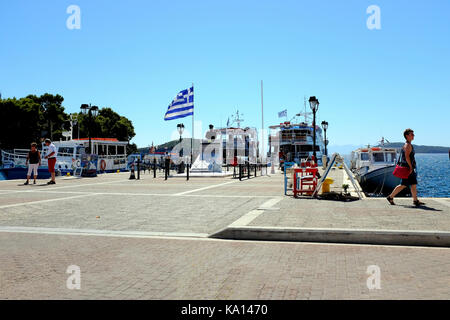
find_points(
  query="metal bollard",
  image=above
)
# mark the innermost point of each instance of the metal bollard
(154, 168)
(188, 166)
(240, 172)
(248, 170)
(139, 169)
(132, 176)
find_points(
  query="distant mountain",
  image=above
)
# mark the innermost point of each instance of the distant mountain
(169, 145)
(341, 149)
(419, 149)
(348, 148)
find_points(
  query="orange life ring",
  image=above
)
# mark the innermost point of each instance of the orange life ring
(103, 165)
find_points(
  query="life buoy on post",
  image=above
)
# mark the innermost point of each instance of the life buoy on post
(103, 165)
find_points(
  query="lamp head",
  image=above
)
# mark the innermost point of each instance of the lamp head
(94, 111)
(324, 125)
(313, 103)
(84, 108)
(180, 128)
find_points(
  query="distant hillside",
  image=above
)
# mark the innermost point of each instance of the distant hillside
(169, 145)
(419, 149)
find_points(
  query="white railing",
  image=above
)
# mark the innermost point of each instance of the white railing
(11, 160)
(118, 156)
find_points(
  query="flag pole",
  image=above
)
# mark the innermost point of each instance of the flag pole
(192, 139)
(262, 123)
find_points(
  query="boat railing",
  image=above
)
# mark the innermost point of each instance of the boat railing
(14, 159)
(21, 151)
(113, 157)
(64, 154)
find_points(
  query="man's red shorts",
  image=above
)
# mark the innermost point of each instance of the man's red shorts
(51, 164)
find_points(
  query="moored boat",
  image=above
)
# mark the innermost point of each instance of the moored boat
(111, 157)
(373, 169)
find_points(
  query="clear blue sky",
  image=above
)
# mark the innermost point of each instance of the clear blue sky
(134, 56)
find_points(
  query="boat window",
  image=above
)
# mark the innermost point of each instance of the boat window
(111, 150)
(305, 148)
(390, 157)
(80, 150)
(364, 156)
(121, 150)
(378, 157)
(101, 149)
(65, 151)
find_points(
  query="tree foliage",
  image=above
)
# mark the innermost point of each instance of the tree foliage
(34, 118)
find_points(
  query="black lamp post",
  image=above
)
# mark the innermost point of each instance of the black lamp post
(180, 128)
(92, 112)
(325, 127)
(314, 104)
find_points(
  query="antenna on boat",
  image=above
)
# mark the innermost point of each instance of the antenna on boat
(305, 114)
(237, 118)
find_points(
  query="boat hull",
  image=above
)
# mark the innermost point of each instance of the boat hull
(379, 180)
(21, 173)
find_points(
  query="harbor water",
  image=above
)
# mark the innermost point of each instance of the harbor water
(433, 175)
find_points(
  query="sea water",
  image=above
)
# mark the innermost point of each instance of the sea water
(433, 175)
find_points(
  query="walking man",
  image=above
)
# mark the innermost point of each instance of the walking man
(51, 156)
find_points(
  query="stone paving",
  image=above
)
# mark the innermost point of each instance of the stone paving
(34, 267)
(370, 213)
(114, 203)
(162, 251)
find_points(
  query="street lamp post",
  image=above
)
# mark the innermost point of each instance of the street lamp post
(180, 128)
(325, 127)
(92, 112)
(314, 104)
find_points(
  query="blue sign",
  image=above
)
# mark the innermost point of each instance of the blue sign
(89, 164)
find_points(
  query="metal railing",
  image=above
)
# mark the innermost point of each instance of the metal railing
(13, 159)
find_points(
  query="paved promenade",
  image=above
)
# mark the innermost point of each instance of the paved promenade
(150, 239)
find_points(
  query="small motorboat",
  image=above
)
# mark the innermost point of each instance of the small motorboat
(373, 169)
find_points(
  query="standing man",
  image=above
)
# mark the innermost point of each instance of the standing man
(51, 156)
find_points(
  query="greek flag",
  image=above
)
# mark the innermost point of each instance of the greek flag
(182, 106)
(282, 113)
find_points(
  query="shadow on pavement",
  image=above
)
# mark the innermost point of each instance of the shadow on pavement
(421, 207)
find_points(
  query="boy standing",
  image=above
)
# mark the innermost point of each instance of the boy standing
(33, 162)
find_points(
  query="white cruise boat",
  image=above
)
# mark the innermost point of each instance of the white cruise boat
(111, 157)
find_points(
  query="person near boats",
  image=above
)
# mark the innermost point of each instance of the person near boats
(33, 162)
(51, 156)
(407, 160)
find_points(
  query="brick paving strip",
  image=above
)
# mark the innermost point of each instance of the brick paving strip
(33, 266)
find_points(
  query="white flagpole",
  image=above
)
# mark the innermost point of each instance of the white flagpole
(262, 123)
(192, 139)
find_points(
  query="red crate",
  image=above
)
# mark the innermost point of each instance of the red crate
(305, 180)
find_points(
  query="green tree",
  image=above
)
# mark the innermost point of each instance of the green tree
(54, 116)
(32, 118)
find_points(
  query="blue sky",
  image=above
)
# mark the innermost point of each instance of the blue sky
(134, 56)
